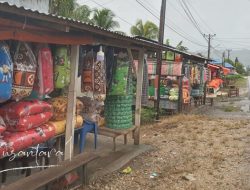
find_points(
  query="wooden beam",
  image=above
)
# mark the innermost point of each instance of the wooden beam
(115, 43)
(45, 37)
(138, 97)
(71, 107)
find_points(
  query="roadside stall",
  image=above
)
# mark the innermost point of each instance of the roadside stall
(215, 82)
(45, 61)
(171, 77)
(197, 82)
(40, 68)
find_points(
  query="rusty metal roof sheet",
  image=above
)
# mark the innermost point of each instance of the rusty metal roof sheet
(11, 8)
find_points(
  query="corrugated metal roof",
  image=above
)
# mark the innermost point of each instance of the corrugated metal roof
(11, 8)
(219, 62)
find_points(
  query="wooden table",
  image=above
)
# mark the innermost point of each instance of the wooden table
(211, 98)
(114, 133)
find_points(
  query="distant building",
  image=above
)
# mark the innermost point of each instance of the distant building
(226, 65)
(36, 5)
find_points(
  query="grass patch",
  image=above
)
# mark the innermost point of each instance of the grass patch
(230, 108)
(241, 83)
(237, 80)
(233, 77)
(147, 115)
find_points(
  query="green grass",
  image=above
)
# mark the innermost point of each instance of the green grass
(241, 82)
(231, 77)
(230, 108)
(147, 115)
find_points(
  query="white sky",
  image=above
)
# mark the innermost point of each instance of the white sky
(229, 19)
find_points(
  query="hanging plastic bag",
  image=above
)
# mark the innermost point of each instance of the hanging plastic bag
(24, 71)
(87, 84)
(120, 78)
(44, 84)
(6, 68)
(100, 77)
(62, 67)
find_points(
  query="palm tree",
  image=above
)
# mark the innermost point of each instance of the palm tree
(148, 30)
(63, 7)
(167, 42)
(181, 47)
(70, 9)
(82, 13)
(105, 19)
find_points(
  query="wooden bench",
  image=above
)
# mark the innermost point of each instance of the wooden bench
(114, 133)
(233, 92)
(48, 175)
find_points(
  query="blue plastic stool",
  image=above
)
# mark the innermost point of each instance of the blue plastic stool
(88, 127)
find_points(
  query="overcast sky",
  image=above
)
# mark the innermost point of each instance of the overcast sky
(228, 19)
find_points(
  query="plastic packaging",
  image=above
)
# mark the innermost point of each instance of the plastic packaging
(44, 79)
(2, 125)
(22, 140)
(62, 67)
(61, 125)
(6, 72)
(24, 115)
(24, 71)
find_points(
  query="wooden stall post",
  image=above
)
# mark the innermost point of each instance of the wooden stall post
(138, 97)
(71, 107)
(180, 99)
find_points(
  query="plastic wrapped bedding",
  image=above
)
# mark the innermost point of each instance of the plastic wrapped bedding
(25, 115)
(61, 125)
(44, 79)
(22, 140)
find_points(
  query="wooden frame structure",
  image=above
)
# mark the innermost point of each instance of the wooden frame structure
(32, 26)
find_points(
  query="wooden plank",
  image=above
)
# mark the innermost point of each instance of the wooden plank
(43, 177)
(138, 97)
(71, 107)
(108, 134)
(44, 37)
(116, 131)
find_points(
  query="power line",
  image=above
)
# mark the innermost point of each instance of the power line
(176, 27)
(202, 20)
(234, 38)
(171, 28)
(116, 15)
(234, 42)
(190, 16)
(209, 36)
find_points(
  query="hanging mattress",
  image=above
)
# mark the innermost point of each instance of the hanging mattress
(6, 69)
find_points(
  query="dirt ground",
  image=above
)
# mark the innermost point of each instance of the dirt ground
(206, 150)
(190, 152)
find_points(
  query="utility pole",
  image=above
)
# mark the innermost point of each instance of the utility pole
(209, 36)
(223, 59)
(228, 53)
(159, 55)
